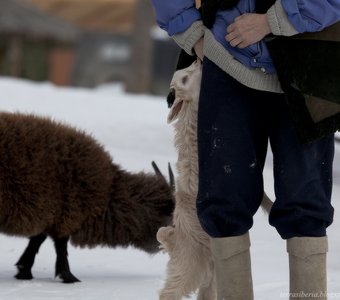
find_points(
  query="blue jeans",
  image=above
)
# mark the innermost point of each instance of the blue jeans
(235, 124)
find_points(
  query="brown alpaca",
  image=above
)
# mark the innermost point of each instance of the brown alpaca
(58, 181)
(190, 267)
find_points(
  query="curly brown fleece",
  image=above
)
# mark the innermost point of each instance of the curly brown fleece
(59, 181)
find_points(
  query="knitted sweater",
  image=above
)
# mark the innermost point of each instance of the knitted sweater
(186, 32)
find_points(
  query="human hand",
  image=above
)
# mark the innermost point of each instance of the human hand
(198, 48)
(247, 29)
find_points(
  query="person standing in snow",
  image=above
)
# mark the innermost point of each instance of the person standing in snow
(242, 107)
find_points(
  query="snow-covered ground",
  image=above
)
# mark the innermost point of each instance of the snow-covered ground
(133, 128)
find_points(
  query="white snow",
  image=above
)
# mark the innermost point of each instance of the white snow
(133, 128)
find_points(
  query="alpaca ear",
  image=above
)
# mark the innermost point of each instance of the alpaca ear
(175, 110)
(166, 238)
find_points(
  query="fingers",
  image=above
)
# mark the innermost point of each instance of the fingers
(234, 37)
(243, 45)
(240, 17)
(239, 43)
(198, 47)
(247, 29)
(231, 28)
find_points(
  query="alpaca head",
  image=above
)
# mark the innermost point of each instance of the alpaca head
(157, 206)
(185, 85)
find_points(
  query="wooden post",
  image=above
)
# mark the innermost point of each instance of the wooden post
(61, 61)
(14, 56)
(139, 74)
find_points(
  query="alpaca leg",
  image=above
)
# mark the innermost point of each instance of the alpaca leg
(185, 273)
(175, 281)
(26, 260)
(179, 285)
(62, 268)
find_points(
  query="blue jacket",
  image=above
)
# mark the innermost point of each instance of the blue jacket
(176, 16)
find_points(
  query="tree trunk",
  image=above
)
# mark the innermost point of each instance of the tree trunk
(139, 75)
(14, 56)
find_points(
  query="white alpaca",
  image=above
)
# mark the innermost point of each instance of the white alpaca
(190, 267)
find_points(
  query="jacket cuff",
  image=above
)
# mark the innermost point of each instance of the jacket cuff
(187, 39)
(278, 20)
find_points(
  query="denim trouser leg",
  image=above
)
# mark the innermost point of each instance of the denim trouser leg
(303, 181)
(234, 125)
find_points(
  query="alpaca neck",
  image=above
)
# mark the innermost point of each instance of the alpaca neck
(128, 219)
(111, 227)
(186, 144)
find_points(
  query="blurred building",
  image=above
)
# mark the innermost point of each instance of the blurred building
(34, 44)
(103, 49)
(115, 16)
(84, 43)
(109, 40)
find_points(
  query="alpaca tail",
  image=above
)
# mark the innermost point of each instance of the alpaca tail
(266, 203)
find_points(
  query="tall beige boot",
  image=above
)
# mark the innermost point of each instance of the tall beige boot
(233, 269)
(307, 266)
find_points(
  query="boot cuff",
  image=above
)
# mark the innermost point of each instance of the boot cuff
(224, 248)
(306, 246)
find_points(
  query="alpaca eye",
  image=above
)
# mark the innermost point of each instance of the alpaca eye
(185, 79)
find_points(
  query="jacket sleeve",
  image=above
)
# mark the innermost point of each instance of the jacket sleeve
(181, 20)
(287, 16)
(175, 16)
(279, 22)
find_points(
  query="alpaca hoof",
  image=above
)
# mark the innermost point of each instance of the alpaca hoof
(24, 275)
(68, 278)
